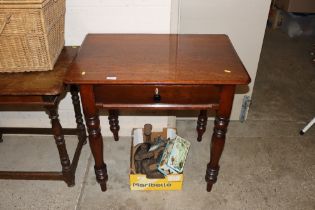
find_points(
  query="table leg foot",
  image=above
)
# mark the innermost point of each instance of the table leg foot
(211, 177)
(201, 124)
(114, 123)
(209, 187)
(101, 177)
(71, 182)
(103, 187)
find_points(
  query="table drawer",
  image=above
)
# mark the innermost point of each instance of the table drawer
(157, 96)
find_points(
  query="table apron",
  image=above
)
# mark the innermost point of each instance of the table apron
(158, 97)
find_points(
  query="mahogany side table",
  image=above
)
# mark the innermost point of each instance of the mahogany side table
(160, 72)
(44, 90)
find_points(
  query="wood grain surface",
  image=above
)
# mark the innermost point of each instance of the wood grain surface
(157, 59)
(38, 83)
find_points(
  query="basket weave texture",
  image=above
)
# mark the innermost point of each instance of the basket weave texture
(31, 34)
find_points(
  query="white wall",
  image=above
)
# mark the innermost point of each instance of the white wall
(115, 16)
(243, 20)
(103, 16)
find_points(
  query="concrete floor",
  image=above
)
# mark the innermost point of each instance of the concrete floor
(265, 165)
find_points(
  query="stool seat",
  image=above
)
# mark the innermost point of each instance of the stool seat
(38, 83)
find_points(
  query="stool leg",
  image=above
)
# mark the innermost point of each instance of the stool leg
(61, 145)
(78, 114)
(114, 123)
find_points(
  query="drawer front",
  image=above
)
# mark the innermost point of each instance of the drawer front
(163, 96)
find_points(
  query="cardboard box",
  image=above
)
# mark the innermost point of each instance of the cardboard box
(140, 182)
(302, 6)
(170, 182)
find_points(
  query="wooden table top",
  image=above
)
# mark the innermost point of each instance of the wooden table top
(157, 59)
(38, 83)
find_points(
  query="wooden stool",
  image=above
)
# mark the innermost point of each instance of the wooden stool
(45, 90)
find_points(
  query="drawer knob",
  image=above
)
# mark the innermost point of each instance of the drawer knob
(157, 96)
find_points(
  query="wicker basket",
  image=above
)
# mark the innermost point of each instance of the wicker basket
(31, 34)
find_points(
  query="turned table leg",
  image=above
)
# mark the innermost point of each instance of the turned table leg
(114, 123)
(201, 124)
(61, 145)
(218, 138)
(95, 136)
(78, 114)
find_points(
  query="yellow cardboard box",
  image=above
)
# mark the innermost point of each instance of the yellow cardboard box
(140, 182)
(170, 182)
